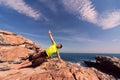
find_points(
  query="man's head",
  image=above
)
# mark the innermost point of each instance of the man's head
(59, 46)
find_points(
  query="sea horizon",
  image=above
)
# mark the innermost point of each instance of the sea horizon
(79, 58)
(87, 53)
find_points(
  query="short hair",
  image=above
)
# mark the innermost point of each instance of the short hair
(60, 45)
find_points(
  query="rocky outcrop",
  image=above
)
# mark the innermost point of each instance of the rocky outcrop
(14, 49)
(53, 70)
(13, 46)
(110, 65)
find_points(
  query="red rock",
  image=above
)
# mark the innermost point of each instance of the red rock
(14, 46)
(107, 64)
(49, 71)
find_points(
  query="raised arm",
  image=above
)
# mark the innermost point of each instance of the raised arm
(51, 37)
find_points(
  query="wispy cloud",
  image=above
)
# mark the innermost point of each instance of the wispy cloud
(82, 8)
(84, 39)
(85, 10)
(116, 41)
(21, 7)
(78, 39)
(109, 19)
(75, 35)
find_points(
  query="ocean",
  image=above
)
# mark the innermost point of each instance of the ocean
(79, 58)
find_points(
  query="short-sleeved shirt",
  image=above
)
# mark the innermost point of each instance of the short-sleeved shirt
(52, 49)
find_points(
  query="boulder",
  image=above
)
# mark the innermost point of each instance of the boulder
(13, 46)
(53, 70)
(107, 64)
(14, 49)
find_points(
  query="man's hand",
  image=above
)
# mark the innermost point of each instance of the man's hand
(59, 58)
(61, 61)
(49, 32)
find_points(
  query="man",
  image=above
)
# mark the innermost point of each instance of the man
(38, 58)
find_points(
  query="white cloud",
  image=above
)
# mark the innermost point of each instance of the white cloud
(115, 40)
(86, 10)
(75, 35)
(82, 8)
(21, 7)
(85, 39)
(78, 38)
(110, 19)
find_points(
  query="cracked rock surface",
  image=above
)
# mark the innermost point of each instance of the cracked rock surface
(14, 48)
(53, 70)
(107, 64)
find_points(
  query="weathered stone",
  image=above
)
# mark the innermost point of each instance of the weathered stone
(14, 49)
(109, 65)
(14, 46)
(48, 71)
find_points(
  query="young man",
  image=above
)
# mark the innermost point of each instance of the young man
(38, 58)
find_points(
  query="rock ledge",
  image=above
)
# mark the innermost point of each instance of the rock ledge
(53, 70)
(107, 64)
(14, 49)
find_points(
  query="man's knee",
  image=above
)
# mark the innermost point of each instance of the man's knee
(37, 62)
(30, 57)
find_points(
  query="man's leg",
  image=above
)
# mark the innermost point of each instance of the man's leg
(21, 64)
(33, 63)
(25, 62)
(37, 55)
(24, 65)
(38, 61)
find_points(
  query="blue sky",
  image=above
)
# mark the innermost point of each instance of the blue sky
(82, 26)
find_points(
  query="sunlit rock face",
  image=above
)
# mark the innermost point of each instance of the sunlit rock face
(13, 46)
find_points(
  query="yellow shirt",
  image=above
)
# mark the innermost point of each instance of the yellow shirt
(52, 50)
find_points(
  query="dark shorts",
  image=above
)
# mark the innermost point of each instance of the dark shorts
(38, 59)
